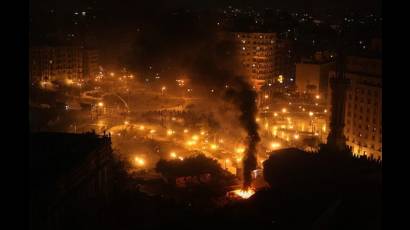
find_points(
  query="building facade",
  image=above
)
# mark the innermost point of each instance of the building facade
(90, 63)
(71, 175)
(59, 63)
(257, 52)
(363, 113)
(312, 77)
(284, 64)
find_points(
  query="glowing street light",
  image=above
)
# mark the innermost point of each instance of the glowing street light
(100, 104)
(318, 96)
(227, 161)
(170, 132)
(173, 155)
(163, 89)
(190, 143)
(310, 113)
(284, 110)
(139, 161)
(214, 146)
(240, 150)
(275, 145)
(280, 79)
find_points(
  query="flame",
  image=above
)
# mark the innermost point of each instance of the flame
(244, 194)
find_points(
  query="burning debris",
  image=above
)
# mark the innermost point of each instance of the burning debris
(244, 194)
(241, 193)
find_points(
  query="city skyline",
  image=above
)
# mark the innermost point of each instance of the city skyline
(172, 113)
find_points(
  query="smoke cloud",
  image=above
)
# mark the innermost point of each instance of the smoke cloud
(185, 44)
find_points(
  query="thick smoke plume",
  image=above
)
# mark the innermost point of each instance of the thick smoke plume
(244, 97)
(185, 44)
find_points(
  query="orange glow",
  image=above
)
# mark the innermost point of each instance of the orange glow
(190, 143)
(280, 79)
(274, 145)
(69, 81)
(240, 150)
(139, 161)
(214, 146)
(170, 132)
(244, 194)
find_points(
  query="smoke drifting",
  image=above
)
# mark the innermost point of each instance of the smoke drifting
(243, 96)
(185, 44)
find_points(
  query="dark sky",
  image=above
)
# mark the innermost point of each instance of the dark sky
(167, 4)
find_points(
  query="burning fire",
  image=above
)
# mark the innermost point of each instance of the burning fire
(244, 194)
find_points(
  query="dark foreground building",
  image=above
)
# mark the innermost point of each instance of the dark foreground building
(70, 179)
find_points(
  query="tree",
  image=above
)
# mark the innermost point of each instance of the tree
(196, 165)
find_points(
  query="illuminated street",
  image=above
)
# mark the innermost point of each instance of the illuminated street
(153, 115)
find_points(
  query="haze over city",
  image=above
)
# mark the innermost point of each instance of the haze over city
(160, 114)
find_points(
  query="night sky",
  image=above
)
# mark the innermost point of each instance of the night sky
(163, 4)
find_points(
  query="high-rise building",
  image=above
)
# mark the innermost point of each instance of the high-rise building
(55, 63)
(312, 77)
(363, 113)
(284, 65)
(90, 63)
(257, 52)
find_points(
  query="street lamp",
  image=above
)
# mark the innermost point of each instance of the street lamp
(226, 161)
